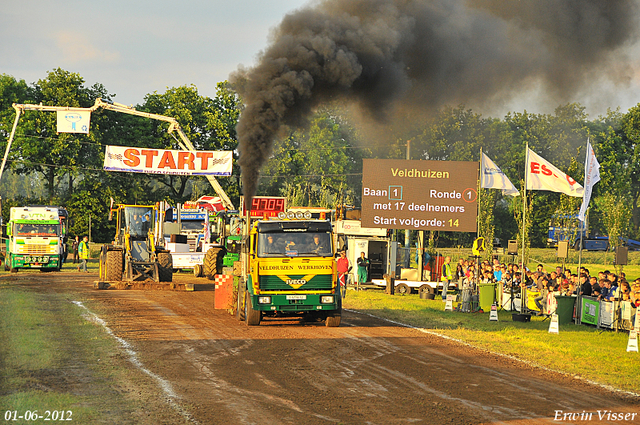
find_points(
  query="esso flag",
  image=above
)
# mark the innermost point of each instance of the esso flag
(542, 175)
(167, 161)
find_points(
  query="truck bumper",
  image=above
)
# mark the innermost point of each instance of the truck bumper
(27, 261)
(295, 302)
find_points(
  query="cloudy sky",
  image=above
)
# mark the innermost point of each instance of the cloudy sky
(137, 47)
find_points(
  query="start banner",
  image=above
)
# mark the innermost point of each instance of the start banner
(166, 161)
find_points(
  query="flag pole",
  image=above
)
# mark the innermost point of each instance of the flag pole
(583, 225)
(479, 191)
(524, 227)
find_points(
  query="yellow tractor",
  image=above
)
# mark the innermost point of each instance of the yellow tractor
(135, 254)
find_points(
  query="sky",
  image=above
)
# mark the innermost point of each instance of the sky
(139, 47)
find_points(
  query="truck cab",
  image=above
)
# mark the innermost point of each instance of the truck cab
(290, 271)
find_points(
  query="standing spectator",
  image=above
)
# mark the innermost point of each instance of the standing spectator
(605, 286)
(460, 272)
(363, 268)
(446, 277)
(497, 272)
(343, 268)
(74, 249)
(83, 250)
(585, 285)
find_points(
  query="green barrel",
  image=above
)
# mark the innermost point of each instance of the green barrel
(487, 292)
(565, 309)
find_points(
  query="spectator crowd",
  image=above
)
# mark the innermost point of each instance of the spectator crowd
(603, 285)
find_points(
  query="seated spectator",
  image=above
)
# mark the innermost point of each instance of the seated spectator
(541, 299)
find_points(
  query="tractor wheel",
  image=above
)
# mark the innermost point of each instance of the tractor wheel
(251, 316)
(197, 270)
(165, 267)
(212, 262)
(113, 269)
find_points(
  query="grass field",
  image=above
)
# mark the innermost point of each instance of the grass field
(55, 362)
(579, 350)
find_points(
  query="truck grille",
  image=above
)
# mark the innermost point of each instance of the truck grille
(274, 283)
(37, 249)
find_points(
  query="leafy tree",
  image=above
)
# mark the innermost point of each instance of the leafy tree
(616, 215)
(486, 222)
(319, 160)
(618, 153)
(208, 123)
(38, 148)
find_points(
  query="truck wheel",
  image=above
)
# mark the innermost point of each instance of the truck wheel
(211, 262)
(426, 289)
(113, 271)
(165, 267)
(333, 319)
(251, 316)
(402, 289)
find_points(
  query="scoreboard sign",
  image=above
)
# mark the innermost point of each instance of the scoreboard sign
(265, 206)
(420, 195)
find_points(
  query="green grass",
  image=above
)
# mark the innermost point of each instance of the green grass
(581, 350)
(51, 358)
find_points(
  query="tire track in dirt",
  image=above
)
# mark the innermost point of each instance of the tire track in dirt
(368, 371)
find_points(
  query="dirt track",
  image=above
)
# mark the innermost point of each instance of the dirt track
(206, 367)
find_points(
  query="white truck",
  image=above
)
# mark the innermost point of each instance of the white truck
(36, 237)
(189, 247)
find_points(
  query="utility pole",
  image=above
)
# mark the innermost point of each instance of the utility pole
(407, 232)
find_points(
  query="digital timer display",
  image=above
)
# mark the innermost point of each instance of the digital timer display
(267, 206)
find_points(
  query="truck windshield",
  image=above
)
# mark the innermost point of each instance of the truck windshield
(36, 230)
(192, 226)
(138, 220)
(294, 244)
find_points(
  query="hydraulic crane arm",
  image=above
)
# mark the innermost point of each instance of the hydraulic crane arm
(184, 141)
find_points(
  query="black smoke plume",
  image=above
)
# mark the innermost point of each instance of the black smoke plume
(379, 54)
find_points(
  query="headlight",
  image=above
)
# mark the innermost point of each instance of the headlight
(264, 300)
(326, 299)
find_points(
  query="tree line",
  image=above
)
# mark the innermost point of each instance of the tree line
(319, 164)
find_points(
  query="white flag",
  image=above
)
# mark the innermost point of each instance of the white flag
(73, 121)
(542, 175)
(492, 177)
(591, 177)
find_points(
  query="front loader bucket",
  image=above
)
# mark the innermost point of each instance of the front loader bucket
(141, 271)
